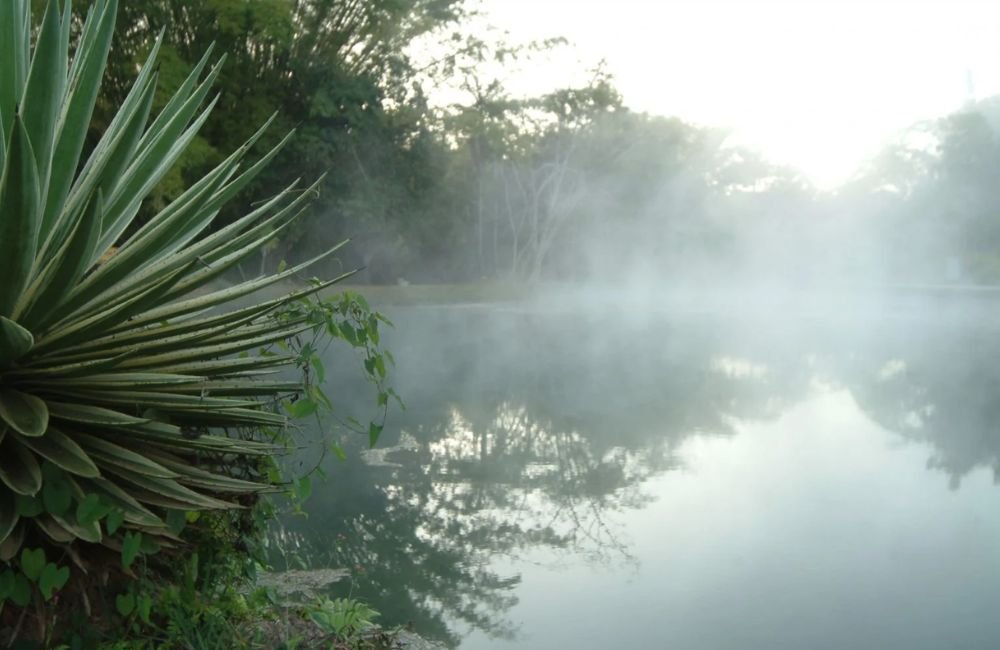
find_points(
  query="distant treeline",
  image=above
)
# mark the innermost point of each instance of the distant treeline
(570, 185)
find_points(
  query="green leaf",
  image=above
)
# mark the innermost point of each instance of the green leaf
(144, 605)
(91, 509)
(117, 380)
(10, 547)
(149, 546)
(73, 330)
(302, 488)
(53, 578)
(6, 585)
(19, 469)
(58, 448)
(125, 604)
(14, 52)
(90, 532)
(374, 431)
(3, 142)
(169, 230)
(56, 496)
(86, 414)
(131, 544)
(176, 521)
(43, 93)
(55, 529)
(153, 161)
(108, 453)
(15, 341)
(29, 506)
(114, 521)
(229, 294)
(19, 218)
(44, 296)
(21, 593)
(131, 120)
(85, 82)
(26, 414)
(193, 476)
(302, 408)
(46, 373)
(348, 333)
(168, 493)
(32, 563)
(317, 365)
(8, 514)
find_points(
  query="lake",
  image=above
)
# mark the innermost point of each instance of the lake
(712, 473)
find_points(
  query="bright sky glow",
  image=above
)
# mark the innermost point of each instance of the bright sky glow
(818, 84)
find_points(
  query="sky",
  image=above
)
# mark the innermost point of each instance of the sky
(819, 85)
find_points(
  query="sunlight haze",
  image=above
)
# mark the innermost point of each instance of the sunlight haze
(817, 85)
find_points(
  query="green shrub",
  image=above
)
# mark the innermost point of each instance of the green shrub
(131, 394)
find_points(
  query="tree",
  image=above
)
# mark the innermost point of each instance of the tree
(336, 71)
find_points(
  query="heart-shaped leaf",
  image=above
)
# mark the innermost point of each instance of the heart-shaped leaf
(53, 578)
(32, 563)
(57, 496)
(131, 544)
(125, 603)
(145, 607)
(114, 521)
(91, 509)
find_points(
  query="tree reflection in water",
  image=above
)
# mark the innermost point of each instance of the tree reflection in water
(526, 432)
(940, 388)
(512, 445)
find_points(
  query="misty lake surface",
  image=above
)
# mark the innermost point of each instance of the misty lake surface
(685, 474)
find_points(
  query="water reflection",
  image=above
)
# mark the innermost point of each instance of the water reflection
(943, 392)
(547, 436)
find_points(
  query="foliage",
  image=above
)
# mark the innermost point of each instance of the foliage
(345, 617)
(336, 71)
(135, 392)
(211, 604)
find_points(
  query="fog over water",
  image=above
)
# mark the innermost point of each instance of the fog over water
(730, 407)
(688, 473)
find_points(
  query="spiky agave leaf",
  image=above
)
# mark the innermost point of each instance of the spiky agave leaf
(110, 381)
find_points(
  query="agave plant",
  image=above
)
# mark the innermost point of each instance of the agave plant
(119, 374)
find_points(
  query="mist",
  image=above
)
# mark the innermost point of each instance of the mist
(500, 324)
(574, 190)
(664, 384)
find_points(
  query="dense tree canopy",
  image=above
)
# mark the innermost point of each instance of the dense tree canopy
(567, 185)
